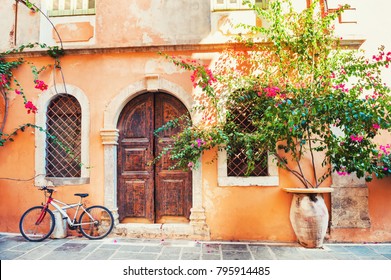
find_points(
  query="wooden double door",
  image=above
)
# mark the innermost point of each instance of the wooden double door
(150, 193)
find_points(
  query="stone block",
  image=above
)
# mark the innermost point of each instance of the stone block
(349, 207)
(60, 229)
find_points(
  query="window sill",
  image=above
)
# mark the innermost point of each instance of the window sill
(264, 181)
(64, 181)
(224, 180)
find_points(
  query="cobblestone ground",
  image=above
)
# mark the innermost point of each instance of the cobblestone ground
(15, 247)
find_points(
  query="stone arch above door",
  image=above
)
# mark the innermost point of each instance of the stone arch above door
(109, 134)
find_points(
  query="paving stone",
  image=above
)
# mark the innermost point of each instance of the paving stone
(152, 249)
(344, 256)
(373, 257)
(90, 247)
(169, 257)
(18, 238)
(318, 254)
(337, 248)
(78, 248)
(118, 255)
(100, 254)
(144, 256)
(211, 248)
(110, 246)
(236, 255)
(261, 252)
(36, 254)
(64, 255)
(24, 247)
(131, 248)
(234, 247)
(191, 256)
(10, 255)
(287, 253)
(171, 250)
(361, 250)
(210, 257)
(197, 249)
(5, 244)
(381, 249)
(71, 247)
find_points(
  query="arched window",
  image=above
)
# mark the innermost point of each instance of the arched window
(63, 153)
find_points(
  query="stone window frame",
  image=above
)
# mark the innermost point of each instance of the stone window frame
(245, 181)
(40, 137)
(47, 36)
(72, 11)
(238, 5)
(224, 180)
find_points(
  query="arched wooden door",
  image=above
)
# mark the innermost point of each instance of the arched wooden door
(150, 193)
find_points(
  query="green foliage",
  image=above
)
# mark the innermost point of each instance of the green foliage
(303, 95)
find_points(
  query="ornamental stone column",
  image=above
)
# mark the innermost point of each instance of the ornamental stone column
(197, 212)
(110, 143)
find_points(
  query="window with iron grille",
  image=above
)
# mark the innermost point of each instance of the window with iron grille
(63, 154)
(70, 7)
(237, 163)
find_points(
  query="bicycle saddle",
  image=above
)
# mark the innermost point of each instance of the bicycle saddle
(81, 194)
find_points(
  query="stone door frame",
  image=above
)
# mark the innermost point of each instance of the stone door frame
(197, 227)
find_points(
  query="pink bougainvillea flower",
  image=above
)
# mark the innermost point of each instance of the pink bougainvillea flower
(212, 78)
(40, 85)
(200, 142)
(271, 91)
(356, 138)
(376, 126)
(30, 107)
(18, 92)
(3, 79)
(342, 171)
(190, 165)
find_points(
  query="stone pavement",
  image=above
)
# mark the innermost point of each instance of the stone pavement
(15, 247)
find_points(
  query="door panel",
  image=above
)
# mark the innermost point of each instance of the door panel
(150, 192)
(173, 187)
(135, 176)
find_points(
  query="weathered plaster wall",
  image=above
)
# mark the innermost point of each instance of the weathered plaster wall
(152, 22)
(233, 213)
(7, 20)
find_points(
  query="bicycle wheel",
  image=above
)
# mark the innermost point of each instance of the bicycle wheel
(37, 223)
(96, 223)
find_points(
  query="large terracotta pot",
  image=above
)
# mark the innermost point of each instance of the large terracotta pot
(309, 216)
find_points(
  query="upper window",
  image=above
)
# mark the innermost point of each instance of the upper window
(63, 120)
(70, 7)
(237, 4)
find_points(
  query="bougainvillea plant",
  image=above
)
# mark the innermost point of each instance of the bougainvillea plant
(307, 98)
(9, 84)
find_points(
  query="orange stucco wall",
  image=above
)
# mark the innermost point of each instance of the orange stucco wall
(232, 213)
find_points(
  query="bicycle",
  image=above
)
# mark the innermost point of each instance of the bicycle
(38, 222)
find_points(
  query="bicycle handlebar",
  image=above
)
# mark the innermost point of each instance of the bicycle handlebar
(45, 188)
